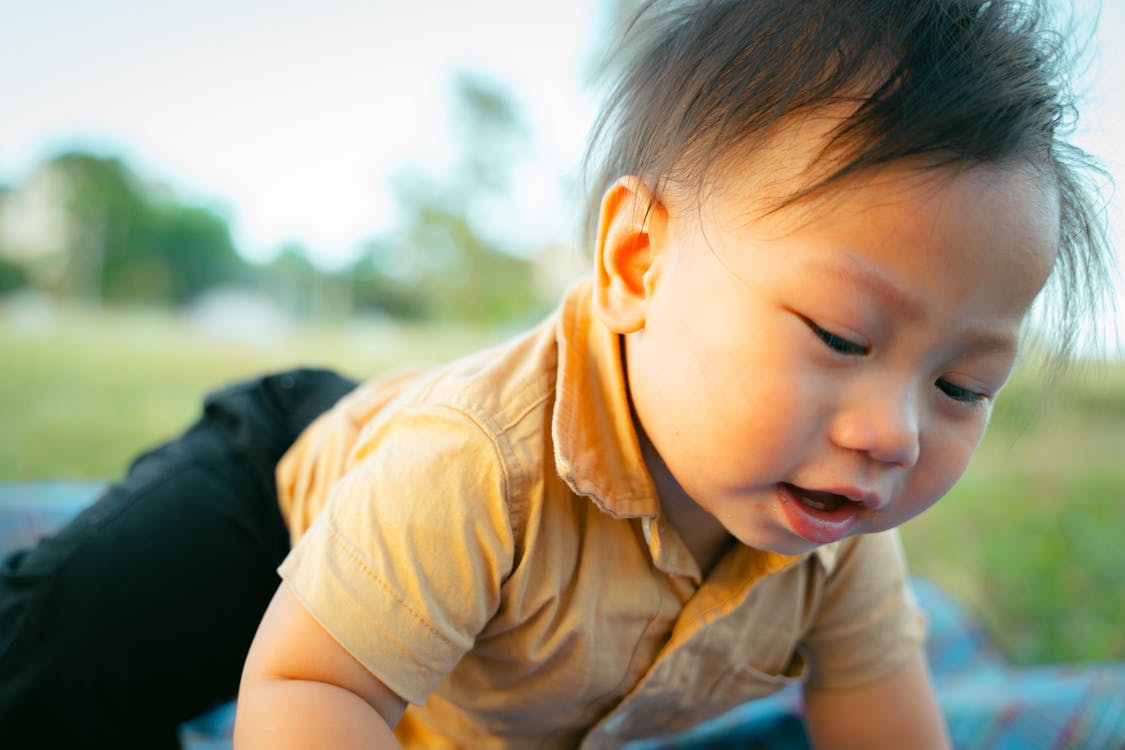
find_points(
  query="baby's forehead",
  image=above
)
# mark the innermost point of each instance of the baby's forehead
(901, 206)
(785, 183)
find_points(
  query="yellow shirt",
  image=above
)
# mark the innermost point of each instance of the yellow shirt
(492, 548)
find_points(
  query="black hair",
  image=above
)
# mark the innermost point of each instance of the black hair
(957, 82)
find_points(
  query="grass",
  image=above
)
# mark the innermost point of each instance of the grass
(81, 392)
(1032, 538)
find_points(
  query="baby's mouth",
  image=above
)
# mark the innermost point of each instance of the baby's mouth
(826, 501)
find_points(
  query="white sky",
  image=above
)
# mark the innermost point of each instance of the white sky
(290, 115)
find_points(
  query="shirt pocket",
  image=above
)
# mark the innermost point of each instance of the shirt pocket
(664, 707)
(740, 683)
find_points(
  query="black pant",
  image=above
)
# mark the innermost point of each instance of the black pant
(138, 614)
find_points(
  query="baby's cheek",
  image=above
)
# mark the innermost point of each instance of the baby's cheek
(940, 474)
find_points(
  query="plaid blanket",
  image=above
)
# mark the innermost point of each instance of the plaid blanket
(989, 704)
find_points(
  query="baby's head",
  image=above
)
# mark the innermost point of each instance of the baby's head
(821, 226)
(704, 85)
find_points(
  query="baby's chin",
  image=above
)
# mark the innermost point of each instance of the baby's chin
(796, 547)
(781, 541)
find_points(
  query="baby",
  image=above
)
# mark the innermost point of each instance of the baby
(818, 228)
(821, 226)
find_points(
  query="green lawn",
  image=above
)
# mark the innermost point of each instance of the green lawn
(1034, 534)
(1033, 537)
(81, 393)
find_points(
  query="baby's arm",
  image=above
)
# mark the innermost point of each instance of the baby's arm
(897, 711)
(300, 688)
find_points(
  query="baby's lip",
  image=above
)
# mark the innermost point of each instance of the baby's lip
(867, 498)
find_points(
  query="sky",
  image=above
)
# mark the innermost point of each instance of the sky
(291, 116)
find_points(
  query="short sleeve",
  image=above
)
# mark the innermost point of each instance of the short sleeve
(867, 623)
(404, 565)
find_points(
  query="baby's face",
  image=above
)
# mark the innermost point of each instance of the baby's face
(828, 371)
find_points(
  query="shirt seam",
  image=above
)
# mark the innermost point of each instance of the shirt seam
(514, 491)
(346, 547)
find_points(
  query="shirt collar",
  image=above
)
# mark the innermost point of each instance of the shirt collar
(597, 452)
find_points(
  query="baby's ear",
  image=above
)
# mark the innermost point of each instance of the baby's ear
(631, 230)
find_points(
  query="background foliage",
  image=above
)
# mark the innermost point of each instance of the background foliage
(85, 228)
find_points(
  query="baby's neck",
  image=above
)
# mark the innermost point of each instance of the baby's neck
(703, 535)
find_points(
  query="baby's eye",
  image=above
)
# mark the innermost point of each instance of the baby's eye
(963, 395)
(838, 343)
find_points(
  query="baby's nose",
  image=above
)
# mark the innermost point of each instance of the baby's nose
(884, 426)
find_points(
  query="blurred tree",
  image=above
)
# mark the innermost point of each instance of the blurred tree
(97, 233)
(450, 256)
(382, 282)
(291, 278)
(490, 132)
(104, 208)
(295, 282)
(12, 276)
(194, 246)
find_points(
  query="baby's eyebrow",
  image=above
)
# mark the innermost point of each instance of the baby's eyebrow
(860, 273)
(989, 343)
